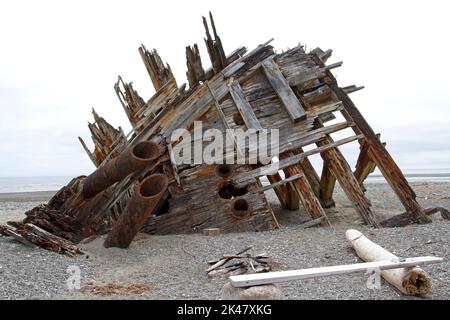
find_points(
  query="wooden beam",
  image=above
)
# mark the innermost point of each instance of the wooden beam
(89, 153)
(283, 90)
(244, 107)
(283, 193)
(327, 184)
(364, 164)
(343, 173)
(305, 192)
(377, 151)
(244, 178)
(278, 183)
(248, 280)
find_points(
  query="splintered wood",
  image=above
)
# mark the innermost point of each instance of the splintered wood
(239, 263)
(293, 92)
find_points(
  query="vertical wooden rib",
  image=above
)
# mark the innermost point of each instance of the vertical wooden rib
(327, 184)
(305, 192)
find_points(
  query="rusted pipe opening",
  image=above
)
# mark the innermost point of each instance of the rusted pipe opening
(240, 208)
(153, 185)
(229, 191)
(146, 150)
(224, 170)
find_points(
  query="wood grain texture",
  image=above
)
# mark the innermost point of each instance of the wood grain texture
(283, 90)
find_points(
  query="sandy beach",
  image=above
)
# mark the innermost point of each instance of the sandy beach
(173, 266)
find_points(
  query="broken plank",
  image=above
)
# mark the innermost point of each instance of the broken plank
(352, 88)
(284, 92)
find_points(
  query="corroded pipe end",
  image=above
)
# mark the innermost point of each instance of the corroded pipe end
(147, 195)
(153, 186)
(146, 151)
(240, 208)
(118, 168)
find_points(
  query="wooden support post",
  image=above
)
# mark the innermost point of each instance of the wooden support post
(343, 173)
(305, 193)
(327, 184)
(364, 164)
(282, 192)
(341, 170)
(377, 151)
(313, 178)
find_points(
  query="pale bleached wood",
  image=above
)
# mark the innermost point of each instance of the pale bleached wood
(248, 280)
(244, 107)
(410, 281)
(284, 92)
(278, 183)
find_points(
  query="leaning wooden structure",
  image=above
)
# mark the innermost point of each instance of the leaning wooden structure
(293, 91)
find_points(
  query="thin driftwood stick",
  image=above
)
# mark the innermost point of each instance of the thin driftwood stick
(410, 281)
(224, 260)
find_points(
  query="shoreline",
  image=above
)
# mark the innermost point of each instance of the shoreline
(373, 179)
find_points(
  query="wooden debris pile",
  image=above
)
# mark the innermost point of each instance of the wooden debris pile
(293, 92)
(240, 263)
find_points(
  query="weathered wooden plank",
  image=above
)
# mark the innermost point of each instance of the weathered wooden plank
(281, 192)
(284, 92)
(243, 178)
(240, 62)
(305, 192)
(88, 152)
(244, 107)
(364, 164)
(377, 151)
(158, 72)
(343, 173)
(195, 72)
(279, 183)
(352, 88)
(248, 280)
(308, 75)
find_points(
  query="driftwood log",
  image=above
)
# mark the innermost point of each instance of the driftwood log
(410, 281)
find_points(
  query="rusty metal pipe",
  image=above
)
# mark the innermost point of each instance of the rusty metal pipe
(118, 168)
(147, 194)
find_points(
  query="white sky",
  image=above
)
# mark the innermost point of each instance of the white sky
(58, 59)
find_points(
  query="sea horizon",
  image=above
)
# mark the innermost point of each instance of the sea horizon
(24, 184)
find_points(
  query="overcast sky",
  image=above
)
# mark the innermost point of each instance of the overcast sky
(58, 59)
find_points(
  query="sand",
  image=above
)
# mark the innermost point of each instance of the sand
(173, 266)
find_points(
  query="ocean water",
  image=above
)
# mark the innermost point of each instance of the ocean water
(32, 184)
